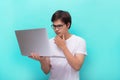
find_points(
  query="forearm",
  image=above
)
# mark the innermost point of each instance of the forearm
(45, 67)
(72, 60)
(44, 61)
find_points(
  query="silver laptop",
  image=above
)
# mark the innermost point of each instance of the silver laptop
(33, 40)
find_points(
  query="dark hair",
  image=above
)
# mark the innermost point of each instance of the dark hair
(64, 16)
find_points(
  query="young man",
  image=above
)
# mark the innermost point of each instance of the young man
(67, 44)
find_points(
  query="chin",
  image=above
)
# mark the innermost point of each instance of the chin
(59, 35)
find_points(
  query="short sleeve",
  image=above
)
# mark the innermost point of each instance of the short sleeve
(81, 47)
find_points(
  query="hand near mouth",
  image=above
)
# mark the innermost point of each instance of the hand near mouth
(60, 41)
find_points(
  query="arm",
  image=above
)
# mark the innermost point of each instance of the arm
(75, 61)
(45, 66)
(44, 61)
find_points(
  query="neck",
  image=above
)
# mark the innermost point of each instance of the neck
(67, 35)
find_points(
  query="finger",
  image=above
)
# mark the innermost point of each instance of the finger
(58, 37)
(55, 38)
(63, 37)
(34, 56)
(30, 56)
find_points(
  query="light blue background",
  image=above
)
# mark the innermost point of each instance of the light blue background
(97, 21)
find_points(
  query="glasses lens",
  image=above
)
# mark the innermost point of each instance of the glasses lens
(57, 26)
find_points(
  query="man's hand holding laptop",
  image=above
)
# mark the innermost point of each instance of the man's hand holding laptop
(37, 57)
(45, 62)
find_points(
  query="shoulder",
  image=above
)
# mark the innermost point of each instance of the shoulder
(78, 39)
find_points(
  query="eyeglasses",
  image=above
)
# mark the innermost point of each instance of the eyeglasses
(57, 26)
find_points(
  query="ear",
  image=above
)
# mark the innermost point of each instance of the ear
(68, 25)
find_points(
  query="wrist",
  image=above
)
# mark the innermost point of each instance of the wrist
(64, 48)
(42, 62)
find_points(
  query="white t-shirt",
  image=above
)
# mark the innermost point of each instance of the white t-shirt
(60, 68)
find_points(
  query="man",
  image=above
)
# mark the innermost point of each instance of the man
(67, 44)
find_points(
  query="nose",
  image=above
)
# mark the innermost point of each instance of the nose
(56, 29)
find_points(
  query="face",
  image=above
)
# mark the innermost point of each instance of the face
(60, 27)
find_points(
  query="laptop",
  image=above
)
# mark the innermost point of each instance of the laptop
(33, 40)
